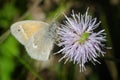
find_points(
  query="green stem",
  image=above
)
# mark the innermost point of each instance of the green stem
(27, 66)
(4, 36)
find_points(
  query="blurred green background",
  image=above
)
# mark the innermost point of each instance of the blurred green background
(15, 64)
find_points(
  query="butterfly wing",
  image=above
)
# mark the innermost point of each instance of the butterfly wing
(23, 30)
(40, 44)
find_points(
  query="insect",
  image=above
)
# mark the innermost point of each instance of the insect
(37, 37)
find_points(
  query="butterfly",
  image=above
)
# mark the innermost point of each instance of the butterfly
(38, 37)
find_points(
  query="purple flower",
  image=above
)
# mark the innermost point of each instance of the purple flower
(79, 40)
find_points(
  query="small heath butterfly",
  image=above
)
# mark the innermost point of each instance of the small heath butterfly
(37, 37)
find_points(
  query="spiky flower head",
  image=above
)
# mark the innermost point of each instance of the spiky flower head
(79, 40)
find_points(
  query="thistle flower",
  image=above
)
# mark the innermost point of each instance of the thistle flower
(79, 40)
